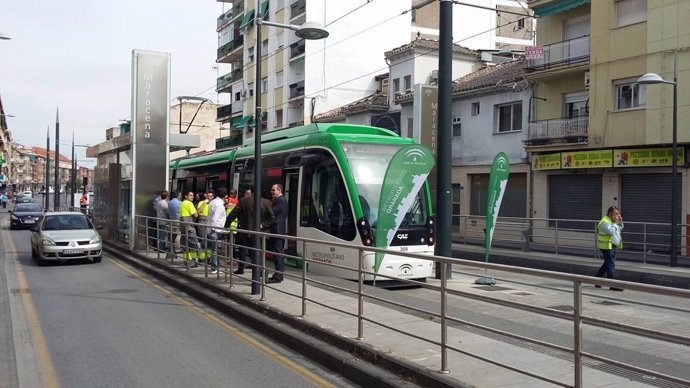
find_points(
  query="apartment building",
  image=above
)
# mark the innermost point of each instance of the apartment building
(5, 150)
(599, 138)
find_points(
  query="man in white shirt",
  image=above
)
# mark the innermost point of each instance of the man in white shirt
(216, 222)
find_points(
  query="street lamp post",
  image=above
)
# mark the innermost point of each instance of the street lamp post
(310, 31)
(652, 79)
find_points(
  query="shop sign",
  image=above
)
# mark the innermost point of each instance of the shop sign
(587, 159)
(647, 157)
(546, 162)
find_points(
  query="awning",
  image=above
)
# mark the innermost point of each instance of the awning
(264, 9)
(247, 20)
(558, 7)
(241, 122)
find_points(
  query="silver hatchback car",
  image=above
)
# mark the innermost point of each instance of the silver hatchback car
(64, 236)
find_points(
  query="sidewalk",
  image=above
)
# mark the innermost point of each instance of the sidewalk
(417, 361)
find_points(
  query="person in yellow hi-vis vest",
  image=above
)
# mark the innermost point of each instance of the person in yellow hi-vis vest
(202, 231)
(608, 240)
(190, 243)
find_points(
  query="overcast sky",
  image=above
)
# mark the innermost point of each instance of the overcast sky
(75, 55)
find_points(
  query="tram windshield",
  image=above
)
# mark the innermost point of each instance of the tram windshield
(368, 163)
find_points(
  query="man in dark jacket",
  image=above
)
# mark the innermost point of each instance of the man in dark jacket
(276, 245)
(244, 212)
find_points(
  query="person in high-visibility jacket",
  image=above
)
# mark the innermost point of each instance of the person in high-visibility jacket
(202, 231)
(608, 240)
(189, 215)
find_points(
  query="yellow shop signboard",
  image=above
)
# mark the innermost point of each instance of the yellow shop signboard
(546, 162)
(646, 157)
(587, 159)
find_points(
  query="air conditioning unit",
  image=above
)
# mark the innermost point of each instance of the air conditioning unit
(586, 80)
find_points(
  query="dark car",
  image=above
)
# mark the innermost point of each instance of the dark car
(25, 200)
(17, 197)
(25, 215)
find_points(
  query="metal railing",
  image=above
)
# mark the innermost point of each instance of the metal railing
(642, 241)
(563, 130)
(568, 52)
(445, 335)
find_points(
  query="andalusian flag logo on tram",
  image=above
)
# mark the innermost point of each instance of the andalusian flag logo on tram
(404, 177)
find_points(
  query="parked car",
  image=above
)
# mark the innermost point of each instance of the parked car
(17, 196)
(28, 193)
(25, 200)
(65, 236)
(25, 215)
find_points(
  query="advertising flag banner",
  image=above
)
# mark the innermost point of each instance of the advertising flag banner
(404, 177)
(498, 180)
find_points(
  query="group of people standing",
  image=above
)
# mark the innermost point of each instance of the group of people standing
(207, 219)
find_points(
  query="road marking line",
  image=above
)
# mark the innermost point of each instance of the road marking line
(44, 361)
(286, 362)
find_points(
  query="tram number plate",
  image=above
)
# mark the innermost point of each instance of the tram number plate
(74, 251)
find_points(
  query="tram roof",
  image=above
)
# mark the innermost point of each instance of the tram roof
(205, 160)
(331, 128)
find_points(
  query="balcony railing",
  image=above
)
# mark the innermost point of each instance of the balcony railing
(224, 111)
(558, 131)
(229, 141)
(230, 47)
(297, 8)
(224, 81)
(297, 48)
(566, 53)
(297, 89)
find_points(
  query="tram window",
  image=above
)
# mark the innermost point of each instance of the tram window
(326, 205)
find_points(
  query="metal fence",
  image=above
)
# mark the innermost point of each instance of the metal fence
(576, 315)
(642, 241)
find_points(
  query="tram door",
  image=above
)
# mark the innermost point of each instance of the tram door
(291, 194)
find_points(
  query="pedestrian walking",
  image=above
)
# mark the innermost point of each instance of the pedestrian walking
(3, 199)
(609, 239)
(276, 244)
(83, 202)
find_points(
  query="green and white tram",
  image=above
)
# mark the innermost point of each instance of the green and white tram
(332, 176)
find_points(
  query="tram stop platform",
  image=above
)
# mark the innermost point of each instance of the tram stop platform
(328, 330)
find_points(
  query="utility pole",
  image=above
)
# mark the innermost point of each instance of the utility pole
(57, 162)
(47, 190)
(444, 161)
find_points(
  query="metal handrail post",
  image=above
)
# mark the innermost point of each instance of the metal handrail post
(360, 296)
(304, 278)
(577, 333)
(644, 243)
(263, 269)
(444, 320)
(556, 236)
(158, 236)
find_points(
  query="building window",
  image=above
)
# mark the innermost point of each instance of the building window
(238, 96)
(251, 89)
(396, 85)
(279, 79)
(509, 117)
(514, 202)
(455, 203)
(475, 109)
(264, 48)
(520, 24)
(250, 54)
(408, 83)
(279, 118)
(630, 95)
(630, 12)
(457, 126)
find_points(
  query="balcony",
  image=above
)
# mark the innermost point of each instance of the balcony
(230, 50)
(229, 141)
(297, 49)
(222, 83)
(223, 112)
(561, 54)
(297, 8)
(297, 90)
(558, 131)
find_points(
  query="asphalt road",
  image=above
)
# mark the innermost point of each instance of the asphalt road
(106, 325)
